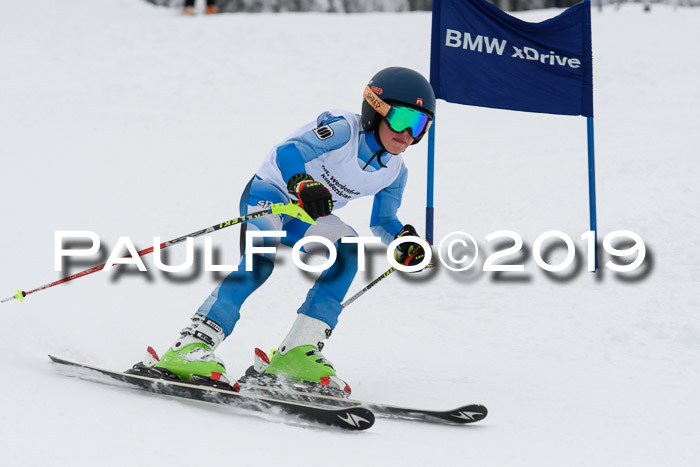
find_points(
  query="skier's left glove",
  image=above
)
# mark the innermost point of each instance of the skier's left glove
(409, 253)
(314, 197)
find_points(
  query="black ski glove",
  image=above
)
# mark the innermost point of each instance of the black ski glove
(409, 253)
(314, 197)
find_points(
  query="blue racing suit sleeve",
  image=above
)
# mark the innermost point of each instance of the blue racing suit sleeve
(293, 154)
(384, 223)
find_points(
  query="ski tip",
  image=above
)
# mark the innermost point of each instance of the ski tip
(62, 361)
(468, 414)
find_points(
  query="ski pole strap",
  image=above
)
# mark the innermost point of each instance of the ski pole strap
(369, 286)
(290, 209)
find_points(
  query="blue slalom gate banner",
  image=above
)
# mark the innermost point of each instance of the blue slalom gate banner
(483, 56)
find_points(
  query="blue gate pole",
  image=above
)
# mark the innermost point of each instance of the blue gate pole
(591, 188)
(429, 210)
(591, 182)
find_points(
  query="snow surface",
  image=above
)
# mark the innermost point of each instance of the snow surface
(130, 120)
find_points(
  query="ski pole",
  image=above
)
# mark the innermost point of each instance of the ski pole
(291, 209)
(375, 282)
(369, 286)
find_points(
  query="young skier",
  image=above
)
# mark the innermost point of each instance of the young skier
(337, 158)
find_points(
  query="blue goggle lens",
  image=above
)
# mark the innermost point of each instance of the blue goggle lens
(400, 118)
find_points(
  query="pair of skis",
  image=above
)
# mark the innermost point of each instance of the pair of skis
(334, 411)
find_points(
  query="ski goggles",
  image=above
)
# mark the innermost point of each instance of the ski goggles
(398, 117)
(401, 118)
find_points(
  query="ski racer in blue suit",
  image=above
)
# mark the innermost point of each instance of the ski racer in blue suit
(327, 163)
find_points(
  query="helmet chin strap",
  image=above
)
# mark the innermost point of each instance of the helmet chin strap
(380, 151)
(378, 155)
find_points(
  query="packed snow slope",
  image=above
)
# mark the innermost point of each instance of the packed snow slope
(127, 119)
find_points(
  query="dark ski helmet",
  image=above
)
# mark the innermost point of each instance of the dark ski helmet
(396, 86)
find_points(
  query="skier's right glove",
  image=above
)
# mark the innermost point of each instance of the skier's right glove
(409, 253)
(314, 197)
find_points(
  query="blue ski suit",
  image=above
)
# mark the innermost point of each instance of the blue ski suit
(351, 163)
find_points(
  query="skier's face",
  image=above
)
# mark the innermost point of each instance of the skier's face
(394, 142)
